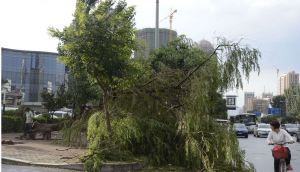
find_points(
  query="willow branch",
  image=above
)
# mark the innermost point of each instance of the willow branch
(163, 103)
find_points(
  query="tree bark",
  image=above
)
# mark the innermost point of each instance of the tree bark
(105, 103)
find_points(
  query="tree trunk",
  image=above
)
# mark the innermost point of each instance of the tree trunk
(105, 103)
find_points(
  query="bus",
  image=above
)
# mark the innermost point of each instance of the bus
(248, 119)
(231, 119)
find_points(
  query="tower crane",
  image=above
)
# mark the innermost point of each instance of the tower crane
(277, 70)
(171, 18)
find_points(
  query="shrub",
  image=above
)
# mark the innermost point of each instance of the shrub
(58, 120)
(10, 113)
(40, 120)
(12, 124)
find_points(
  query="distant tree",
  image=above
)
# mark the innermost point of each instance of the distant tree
(3, 82)
(49, 102)
(279, 102)
(221, 111)
(293, 99)
(79, 92)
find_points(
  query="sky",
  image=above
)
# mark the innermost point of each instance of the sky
(272, 26)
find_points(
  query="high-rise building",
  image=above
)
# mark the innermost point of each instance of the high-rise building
(147, 35)
(28, 74)
(261, 105)
(284, 80)
(247, 95)
(267, 95)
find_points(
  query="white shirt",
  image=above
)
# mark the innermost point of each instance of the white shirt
(279, 137)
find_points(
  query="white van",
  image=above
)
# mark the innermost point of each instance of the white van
(59, 114)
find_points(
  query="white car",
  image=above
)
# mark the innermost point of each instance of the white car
(261, 130)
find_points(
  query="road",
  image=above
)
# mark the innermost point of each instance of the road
(259, 153)
(17, 168)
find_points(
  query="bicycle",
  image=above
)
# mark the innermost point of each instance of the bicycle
(281, 156)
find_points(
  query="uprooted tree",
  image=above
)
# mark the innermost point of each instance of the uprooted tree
(158, 107)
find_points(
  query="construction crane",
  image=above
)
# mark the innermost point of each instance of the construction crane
(277, 70)
(171, 18)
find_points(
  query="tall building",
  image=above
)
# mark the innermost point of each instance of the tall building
(28, 74)
(147, 35)
(261, 105)
(247, 95)
(284, 80)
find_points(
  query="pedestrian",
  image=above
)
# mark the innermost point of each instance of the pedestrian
(29, 119)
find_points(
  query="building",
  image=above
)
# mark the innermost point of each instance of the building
(147, 35)
(28, 74)
(267, 95)
(247, 95)
(249, 106)
(261, 105)
(205, 46)
(284, 80)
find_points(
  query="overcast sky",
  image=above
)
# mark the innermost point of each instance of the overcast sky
(272, 26)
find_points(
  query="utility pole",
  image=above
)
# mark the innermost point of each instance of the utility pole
(156, 25)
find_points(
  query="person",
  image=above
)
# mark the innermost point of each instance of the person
(280, 136)
(29, 119)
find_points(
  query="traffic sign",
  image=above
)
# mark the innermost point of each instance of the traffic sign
(274, 111)
(257, 114)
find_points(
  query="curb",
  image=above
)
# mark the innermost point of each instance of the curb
(108, 167)
(78, 167)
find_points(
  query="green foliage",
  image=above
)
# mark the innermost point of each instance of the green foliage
(10, 113)
(158, 107)
(110, 31)
(166, 115)
(2, 83)
(80, 92)
(292, 99)
(270, 118)
(46, 115)
(20, 112)
(40, 120)
(49, 101)
(163, 145)
(58, 120)
(221, 109)
(12, 124)
(279, 102)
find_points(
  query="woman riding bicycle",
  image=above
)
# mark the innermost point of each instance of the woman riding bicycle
(280, 136)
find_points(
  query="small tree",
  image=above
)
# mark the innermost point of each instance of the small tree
(49, 102)
(279, 102)
(99, 42)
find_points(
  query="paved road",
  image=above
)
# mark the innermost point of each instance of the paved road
(259, 153)
(17, 168)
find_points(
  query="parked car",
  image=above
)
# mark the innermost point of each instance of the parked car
(240, 129)
(290, 128)
(262, 130)
(297, 135)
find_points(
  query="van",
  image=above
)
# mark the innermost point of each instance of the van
(59, 114)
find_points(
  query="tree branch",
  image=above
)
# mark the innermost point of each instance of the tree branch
(183, 80)
(163, 103)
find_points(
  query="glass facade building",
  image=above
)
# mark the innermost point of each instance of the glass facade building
(31, 72)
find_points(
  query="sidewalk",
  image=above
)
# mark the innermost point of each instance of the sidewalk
(40, 152)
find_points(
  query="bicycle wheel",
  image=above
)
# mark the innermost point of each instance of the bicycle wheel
(282, 166)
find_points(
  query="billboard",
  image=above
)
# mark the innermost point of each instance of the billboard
(276, 111)
(257, 114)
